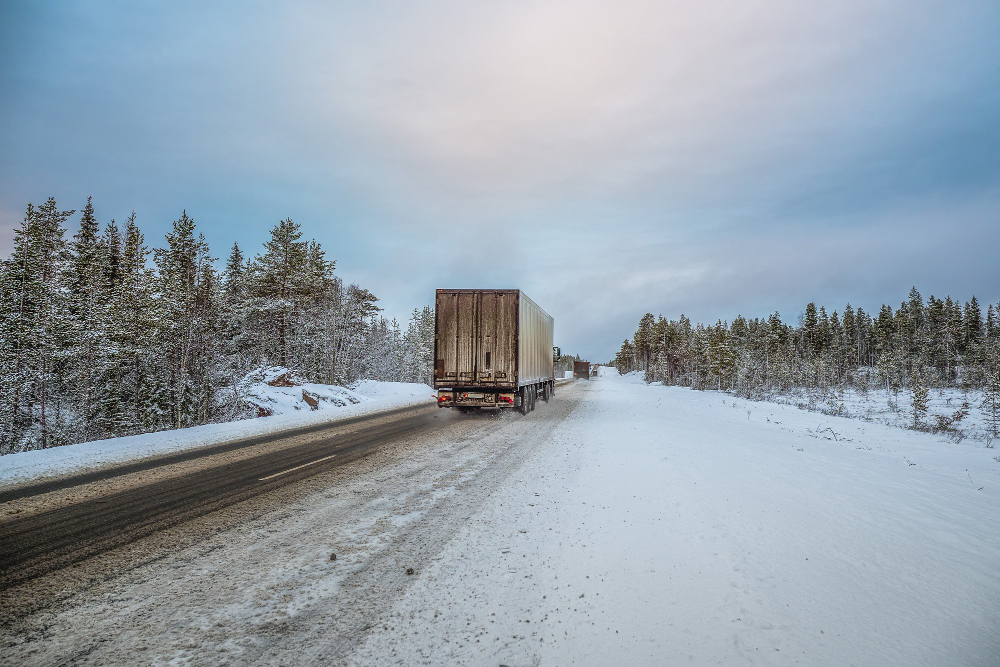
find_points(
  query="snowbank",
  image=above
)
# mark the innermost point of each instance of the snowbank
(287, 406)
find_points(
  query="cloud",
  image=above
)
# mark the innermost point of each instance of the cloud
(609, 159)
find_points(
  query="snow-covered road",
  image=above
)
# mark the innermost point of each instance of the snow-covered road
(662, 526)
(620, 524)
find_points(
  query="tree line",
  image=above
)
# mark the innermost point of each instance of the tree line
(932, 343)
(100, 336)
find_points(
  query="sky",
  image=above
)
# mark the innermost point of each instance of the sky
(709, 158)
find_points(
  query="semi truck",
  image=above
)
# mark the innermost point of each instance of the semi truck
(581, 369)
(492, 350)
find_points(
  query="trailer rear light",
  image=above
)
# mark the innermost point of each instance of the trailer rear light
(444, 397)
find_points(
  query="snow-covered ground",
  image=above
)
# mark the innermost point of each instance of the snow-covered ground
(665, 526)
(896, 408)
(288, 407)
(621, 524)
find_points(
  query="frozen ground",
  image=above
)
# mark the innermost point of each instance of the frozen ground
(664, 526)
(896, 408)
(620, 524)
(287, 405)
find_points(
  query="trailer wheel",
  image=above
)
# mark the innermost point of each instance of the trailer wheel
(545, 392)
(524, 409)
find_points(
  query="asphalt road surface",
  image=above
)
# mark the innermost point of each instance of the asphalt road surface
(49, 540)
(225, 555)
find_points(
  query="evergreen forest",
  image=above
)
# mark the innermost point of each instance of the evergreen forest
(920, 345)
(102, 336)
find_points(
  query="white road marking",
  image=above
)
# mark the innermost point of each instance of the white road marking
(278, 474)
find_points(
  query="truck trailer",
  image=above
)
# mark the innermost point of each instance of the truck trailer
(492, 350)
(581, 370)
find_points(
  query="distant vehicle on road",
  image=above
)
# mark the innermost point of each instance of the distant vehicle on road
(581, 369)
(492, 349)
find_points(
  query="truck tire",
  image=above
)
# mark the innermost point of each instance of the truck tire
(524, 409)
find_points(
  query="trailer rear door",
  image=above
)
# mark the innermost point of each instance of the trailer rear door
(476, 338)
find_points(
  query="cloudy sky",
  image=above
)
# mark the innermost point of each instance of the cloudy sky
(707, 158)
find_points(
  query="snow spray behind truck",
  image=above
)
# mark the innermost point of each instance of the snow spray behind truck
(492, 349)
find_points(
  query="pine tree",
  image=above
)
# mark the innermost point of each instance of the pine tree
(239, 343)
(919, 401)
(914, 322)
(810, 329)
(720, 354)
(39, 330)
(972, 323)
(278, 285)
(111, 255)
(991, 390)
(188, 288)
(644, 340)
(133, 391)
(625, 359)
(851, 336)
(88, 299)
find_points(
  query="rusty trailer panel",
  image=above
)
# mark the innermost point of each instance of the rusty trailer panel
(491, 339)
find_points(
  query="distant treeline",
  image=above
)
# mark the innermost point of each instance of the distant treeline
(95, 342)
(939, 343)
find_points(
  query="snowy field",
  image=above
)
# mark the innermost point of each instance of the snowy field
(896, 408)
(620, 524)
(288, 410)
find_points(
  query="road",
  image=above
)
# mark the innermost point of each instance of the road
(50, 540)
(65, 541)
(621, 523)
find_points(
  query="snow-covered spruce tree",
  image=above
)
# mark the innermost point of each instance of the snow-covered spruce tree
(990, 404)
(18, 310)
(418, 347)
(111, 255)
(312, 352)
(278, 288)
(188, 285)
(37, 331)
(104, 423)
(134, 390)
(238, 344)
(644, 341)
(720, 355)
(87, 303)
(625, 359)
(918, 390)
(359, 311)
(382, 351)
(426, 343)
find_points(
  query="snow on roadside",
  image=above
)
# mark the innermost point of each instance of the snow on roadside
(896, 408)
(288, 405)
(663, 525)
